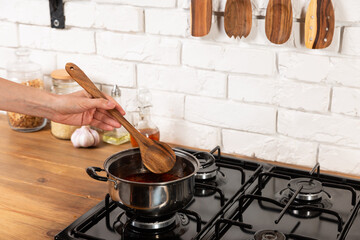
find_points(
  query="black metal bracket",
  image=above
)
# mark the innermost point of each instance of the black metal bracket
(57, 14)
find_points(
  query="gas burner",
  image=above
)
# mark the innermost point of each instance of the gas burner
(208, 169)
(269, 235)
(167, 227)
(151, 223)
(312, 189)
(311, 194)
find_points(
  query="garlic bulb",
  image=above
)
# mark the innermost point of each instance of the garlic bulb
(85, 137)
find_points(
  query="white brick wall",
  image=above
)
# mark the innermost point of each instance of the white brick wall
(46, 59)
(128, 19)
(7, 55)
(344, 71)
(229, 59)
(71, 40)
(188, 134)
(80, 14)
(351, 43)
(229, 114)
(143, 3)
(339, 130)
(138, 48)
(252, 89)
(102, 70)
(270, 147)
(339, 159)
(182, 79)
(346, 101)
(168, 104)
(9, 35)
(176, 24)
(282, 103)
(26, 11)
(303, 96)
(304, 67)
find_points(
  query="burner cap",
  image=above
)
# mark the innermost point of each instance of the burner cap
(208, 169)
(269, 235)
(151, 223)
(312, 189)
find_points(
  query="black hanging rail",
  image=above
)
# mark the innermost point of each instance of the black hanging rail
(57, 14)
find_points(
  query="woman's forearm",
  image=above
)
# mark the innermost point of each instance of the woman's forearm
(27, 100)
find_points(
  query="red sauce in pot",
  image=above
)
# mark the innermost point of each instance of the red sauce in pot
(151, 177)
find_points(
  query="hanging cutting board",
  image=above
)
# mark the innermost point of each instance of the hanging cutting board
(319, 24)
(200, 17)
(278, 21)
(238, 18)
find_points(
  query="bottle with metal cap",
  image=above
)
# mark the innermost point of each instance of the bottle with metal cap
(118, 135)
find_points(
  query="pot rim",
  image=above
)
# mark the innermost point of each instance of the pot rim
(135, 150)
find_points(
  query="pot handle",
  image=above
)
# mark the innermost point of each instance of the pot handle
(92, 172)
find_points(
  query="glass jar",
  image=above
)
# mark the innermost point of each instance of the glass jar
(118, 135)
(27, 73)
(63, 84)
(144, 124)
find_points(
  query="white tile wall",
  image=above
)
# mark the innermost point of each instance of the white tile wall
(283, 103)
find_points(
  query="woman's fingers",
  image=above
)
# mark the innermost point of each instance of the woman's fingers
(117, 105)
(100, 103)
(101, 125)
(106, 118)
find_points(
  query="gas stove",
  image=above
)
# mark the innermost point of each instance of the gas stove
(238, 199)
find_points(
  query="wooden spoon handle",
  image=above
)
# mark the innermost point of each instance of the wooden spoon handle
(200, 17)
(80, 77)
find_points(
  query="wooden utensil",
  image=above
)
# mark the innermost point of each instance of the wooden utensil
(278, 21)
(200, 17)
(238, 18)
(157, 156)
(319, 24)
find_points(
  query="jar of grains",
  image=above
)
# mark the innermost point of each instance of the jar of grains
(25, 72)
(63, 84)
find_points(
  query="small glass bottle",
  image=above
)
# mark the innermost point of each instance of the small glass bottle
(145, 125)
(118, 135)
(63, 84)
(27, 73)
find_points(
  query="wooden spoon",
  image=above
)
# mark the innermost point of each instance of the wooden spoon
(200, 17)
(157, 156)
(238, 18)
(278, 21)
(319, 24)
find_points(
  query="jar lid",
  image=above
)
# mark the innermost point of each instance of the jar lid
(61, 74)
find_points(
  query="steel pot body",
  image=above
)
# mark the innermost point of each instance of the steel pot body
(150, 199)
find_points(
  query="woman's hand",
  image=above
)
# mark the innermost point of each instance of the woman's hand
(80, 109)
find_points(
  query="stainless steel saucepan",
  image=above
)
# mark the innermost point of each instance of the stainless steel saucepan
(146, 193)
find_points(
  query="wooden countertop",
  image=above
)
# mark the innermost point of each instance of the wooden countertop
(43, 183)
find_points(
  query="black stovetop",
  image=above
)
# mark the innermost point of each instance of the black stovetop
(244, 200)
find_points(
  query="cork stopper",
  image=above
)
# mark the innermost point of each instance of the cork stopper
(60, 74)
